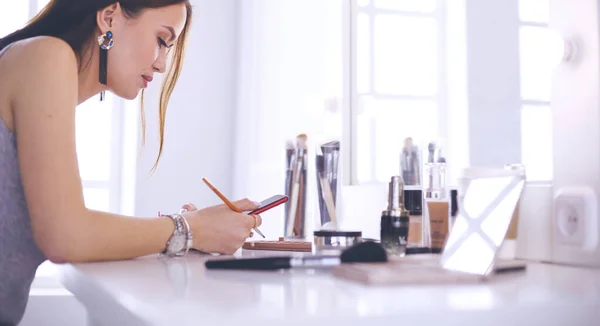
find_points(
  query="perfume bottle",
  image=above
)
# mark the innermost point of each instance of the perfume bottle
(395, 220)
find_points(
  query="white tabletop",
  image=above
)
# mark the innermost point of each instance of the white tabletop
(159, 291)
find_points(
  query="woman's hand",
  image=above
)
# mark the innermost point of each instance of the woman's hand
(218, 229)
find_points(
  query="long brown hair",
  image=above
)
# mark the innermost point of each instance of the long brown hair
(74, 21)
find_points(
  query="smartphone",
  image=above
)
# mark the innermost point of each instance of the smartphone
(269, 203)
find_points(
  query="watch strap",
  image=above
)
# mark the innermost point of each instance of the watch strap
(189, 238)
(181, 228)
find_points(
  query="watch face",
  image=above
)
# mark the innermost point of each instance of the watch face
(177, 244)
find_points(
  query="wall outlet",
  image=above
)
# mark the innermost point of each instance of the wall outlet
(576, 217)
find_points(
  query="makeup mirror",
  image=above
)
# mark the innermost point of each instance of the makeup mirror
(483, 220)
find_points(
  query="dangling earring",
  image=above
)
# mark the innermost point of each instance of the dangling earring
(105, 42)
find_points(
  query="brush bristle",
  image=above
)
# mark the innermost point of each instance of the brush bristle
(365, 252)
(301, 141)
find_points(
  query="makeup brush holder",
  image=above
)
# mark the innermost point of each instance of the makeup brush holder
(296, 186)
(295, 208)
(327, 164)
(327, 203)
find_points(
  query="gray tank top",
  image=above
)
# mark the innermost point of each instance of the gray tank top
(19, 254)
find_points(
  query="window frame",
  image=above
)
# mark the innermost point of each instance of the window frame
(530, 103)
(523, 23)
(351, 96)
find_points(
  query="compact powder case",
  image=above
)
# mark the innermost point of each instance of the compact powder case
(333, 242)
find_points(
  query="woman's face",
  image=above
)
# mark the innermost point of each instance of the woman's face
(140, 46)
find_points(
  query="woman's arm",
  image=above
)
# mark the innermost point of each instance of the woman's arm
(43, 101)
(43, 105)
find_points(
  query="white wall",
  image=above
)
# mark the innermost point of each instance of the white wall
(575, 109)
(200, 120)
(494, 98)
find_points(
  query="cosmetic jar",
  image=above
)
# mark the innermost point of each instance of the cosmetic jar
(333, 242)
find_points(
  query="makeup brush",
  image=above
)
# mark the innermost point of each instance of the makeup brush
(326, 196)
(289, 168)
(300, 213)
(296, 178)
(289, 153)
(365, 252)
(298, 230)
(334, 169)
(320, 167)
(329, 202)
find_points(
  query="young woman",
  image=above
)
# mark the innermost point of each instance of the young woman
(71, 51)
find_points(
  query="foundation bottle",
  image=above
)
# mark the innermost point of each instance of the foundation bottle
(436, 206)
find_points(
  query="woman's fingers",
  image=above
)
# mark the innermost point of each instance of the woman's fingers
(252, 221)
(258, 220)
(189, 207)
(246, 204)
(243, 205)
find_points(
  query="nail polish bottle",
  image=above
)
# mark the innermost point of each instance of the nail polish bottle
(395, 220)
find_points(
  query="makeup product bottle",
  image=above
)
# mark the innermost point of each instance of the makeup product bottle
(395, 220)
(413, 202)
(437, 205)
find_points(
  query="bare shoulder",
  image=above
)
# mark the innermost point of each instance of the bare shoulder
(34, 66)
(41, 56)
(41, 47)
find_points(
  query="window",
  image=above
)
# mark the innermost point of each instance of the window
(98, 133)
(398, 84)
(98, 154)
(13, 17)
(536, 64)
(41, 4)
(396, 51)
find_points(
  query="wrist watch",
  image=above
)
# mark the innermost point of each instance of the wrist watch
(181, 240)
